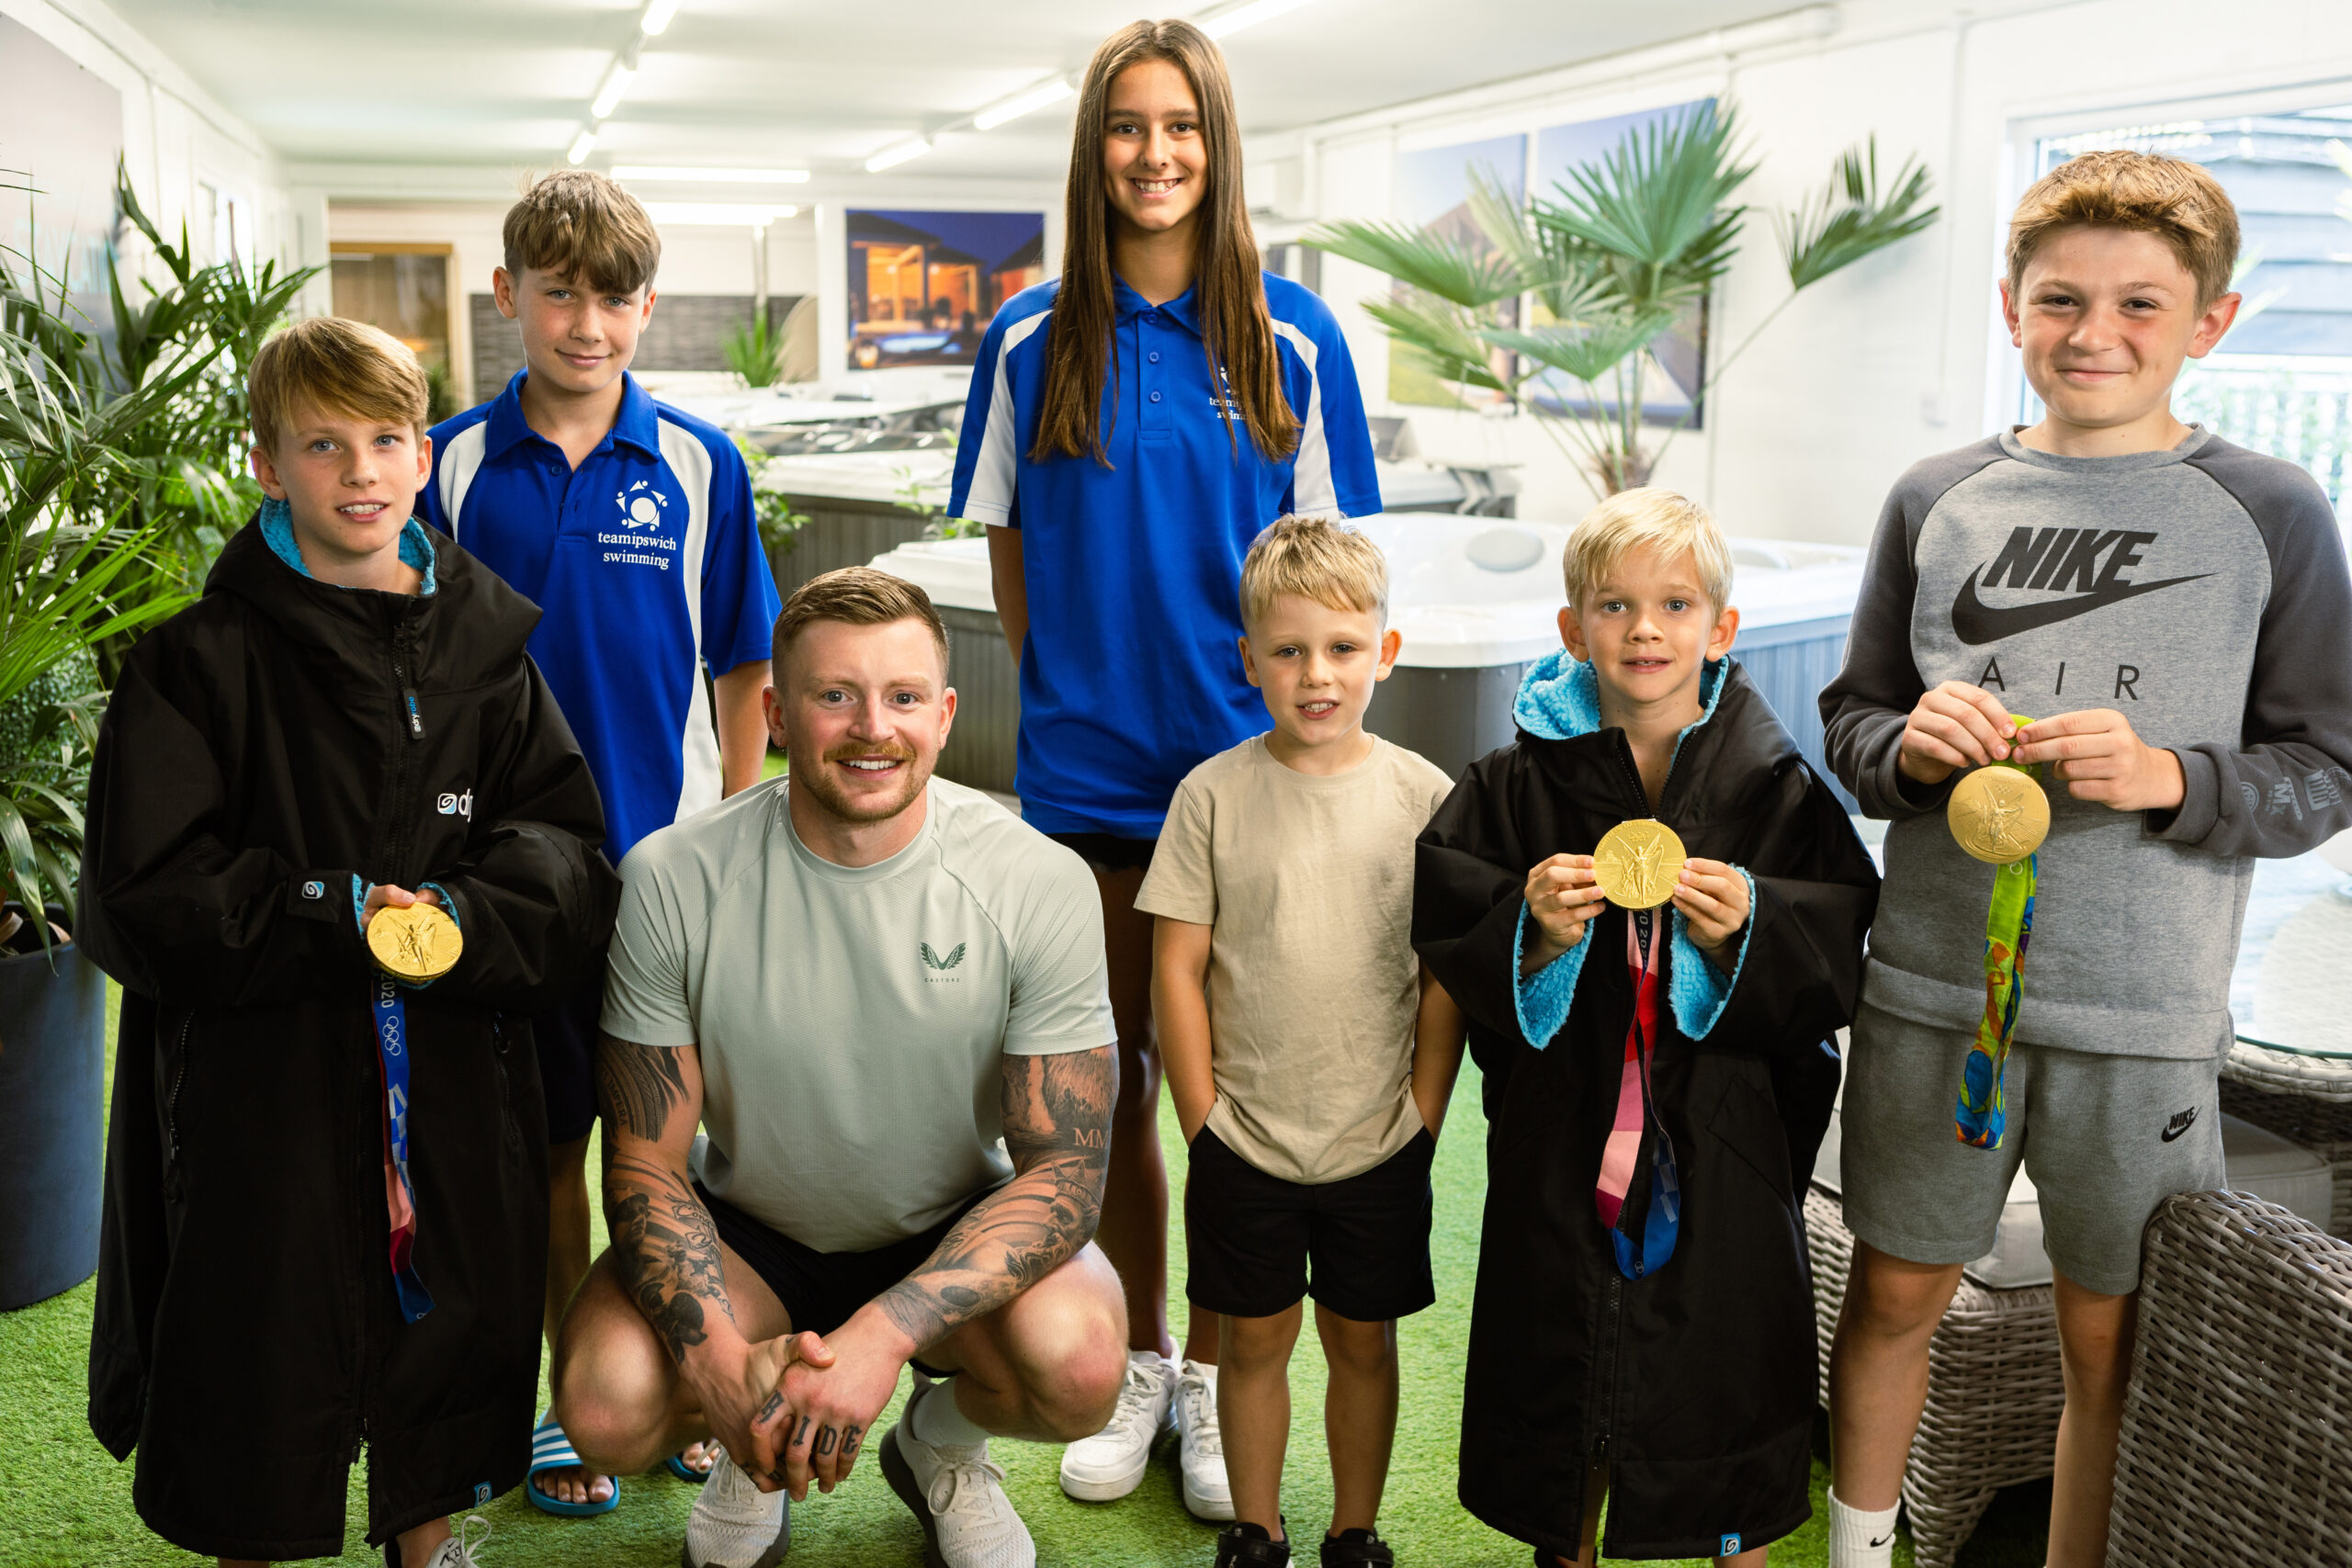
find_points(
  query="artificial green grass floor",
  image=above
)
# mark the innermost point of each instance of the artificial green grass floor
(64, 1503)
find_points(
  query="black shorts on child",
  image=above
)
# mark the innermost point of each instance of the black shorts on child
(1251, 1237)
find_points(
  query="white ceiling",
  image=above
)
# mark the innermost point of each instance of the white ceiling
(815, 84)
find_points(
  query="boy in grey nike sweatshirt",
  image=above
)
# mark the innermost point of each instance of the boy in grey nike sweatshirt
(2174, 611)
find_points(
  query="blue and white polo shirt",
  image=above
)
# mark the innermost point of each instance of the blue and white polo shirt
(1132, 675)
(647, 565)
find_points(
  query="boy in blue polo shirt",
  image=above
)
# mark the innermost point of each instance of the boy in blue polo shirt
(631, 526)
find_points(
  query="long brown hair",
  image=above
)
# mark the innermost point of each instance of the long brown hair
(1237, 334)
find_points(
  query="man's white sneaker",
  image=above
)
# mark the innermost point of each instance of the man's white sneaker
(956, 1493)
(734, 1524)
(1108, 1465)
(458, 1551)
(1200, 1450)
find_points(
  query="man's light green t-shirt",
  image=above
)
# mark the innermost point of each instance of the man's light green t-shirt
(854, 1022)
(1306, 883)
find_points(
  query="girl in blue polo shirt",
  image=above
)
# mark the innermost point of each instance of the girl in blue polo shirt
(1131, 428)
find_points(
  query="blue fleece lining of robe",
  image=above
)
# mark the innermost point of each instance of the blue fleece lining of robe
(277, 532)
(1560, 700)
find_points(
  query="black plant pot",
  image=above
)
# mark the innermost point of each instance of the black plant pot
(52, 1117)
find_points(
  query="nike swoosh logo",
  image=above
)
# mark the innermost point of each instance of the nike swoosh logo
(1882, 1540)
(1975, 623)
(2169, 1133)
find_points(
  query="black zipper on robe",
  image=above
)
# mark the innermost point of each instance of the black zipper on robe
(409, 720)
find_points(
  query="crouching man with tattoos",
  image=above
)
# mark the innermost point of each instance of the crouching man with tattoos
(856, 978)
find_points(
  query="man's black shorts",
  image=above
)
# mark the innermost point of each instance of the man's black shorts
(566, 1037)
(821, 1291)
(1249, 1237)
(1108, 852)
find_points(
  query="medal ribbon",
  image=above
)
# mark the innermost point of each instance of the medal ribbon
(1982, 1115)
(390, 1013)
(1644, 935)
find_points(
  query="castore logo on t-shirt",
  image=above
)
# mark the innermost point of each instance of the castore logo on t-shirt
(936, 967)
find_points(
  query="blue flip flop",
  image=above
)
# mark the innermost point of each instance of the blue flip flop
(550, 1449)
(685, 1472)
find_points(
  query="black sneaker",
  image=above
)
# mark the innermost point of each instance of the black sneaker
(1249, 1546)
(1357, 1549)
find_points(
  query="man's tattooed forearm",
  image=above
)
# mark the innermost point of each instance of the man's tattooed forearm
(1057, 1127)
(639, 1085)
(668, 1251)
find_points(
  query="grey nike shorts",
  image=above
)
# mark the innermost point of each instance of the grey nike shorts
(2106, 1139)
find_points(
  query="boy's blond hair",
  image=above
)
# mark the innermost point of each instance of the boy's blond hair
(577, 223)
(335, 366)
(1647, 518)
(2176, 200)
(1315, 558)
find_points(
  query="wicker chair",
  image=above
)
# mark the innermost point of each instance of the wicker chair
(2232, 1447)
(2305, 1099)
(1994, 1390)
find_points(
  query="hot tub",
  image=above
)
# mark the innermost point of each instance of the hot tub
(1477, 600)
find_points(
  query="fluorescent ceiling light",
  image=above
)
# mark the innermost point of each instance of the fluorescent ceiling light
(729, 214)
(891, 157)
(582, 145)
(718, 176)
(1021, 102)
(657, 16)
(1229, 19)
(616, 87)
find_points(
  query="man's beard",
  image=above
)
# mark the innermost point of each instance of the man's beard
(827, 791)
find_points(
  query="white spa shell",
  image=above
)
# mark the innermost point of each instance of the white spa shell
(1473, 592)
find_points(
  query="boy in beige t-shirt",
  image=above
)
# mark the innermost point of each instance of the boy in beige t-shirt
(1309, 1053)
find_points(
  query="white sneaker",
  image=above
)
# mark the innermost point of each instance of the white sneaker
(1108, 1465)
(734, 1524)
(956, 1493)
(458, 1551)
(1199, 1452)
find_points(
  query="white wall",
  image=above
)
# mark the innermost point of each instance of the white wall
(176, 137)
(1898, 357)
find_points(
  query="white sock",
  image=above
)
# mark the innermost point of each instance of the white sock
(938, 1421)
(1858, 1539)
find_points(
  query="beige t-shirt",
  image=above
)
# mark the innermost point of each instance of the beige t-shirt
(1312, 989)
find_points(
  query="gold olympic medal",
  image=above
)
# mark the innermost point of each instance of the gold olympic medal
(1998, 813)
(1638, 862)
(419, 942)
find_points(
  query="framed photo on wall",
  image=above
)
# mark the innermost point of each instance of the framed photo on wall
(922, 286)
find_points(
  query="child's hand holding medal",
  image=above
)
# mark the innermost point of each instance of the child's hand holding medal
(409, 934)
(1562, 896)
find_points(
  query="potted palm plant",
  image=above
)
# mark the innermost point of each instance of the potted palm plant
(1604, 267)
(116, 484)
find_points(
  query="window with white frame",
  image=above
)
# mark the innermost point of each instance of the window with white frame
(2281, 381)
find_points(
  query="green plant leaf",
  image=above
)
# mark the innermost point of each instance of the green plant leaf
(1849, 219)
(1421, 259)
(1658, 204)
(1587, 351)
(1439, 336)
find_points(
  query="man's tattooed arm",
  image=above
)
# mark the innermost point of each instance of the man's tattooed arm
(663, 1236)
(1058, 1129)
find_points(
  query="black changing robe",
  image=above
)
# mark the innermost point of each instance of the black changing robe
(1696, 1386)
(258, 751)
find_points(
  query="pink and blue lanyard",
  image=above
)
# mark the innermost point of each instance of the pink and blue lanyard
(389, 1012)
(1637, 1110)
